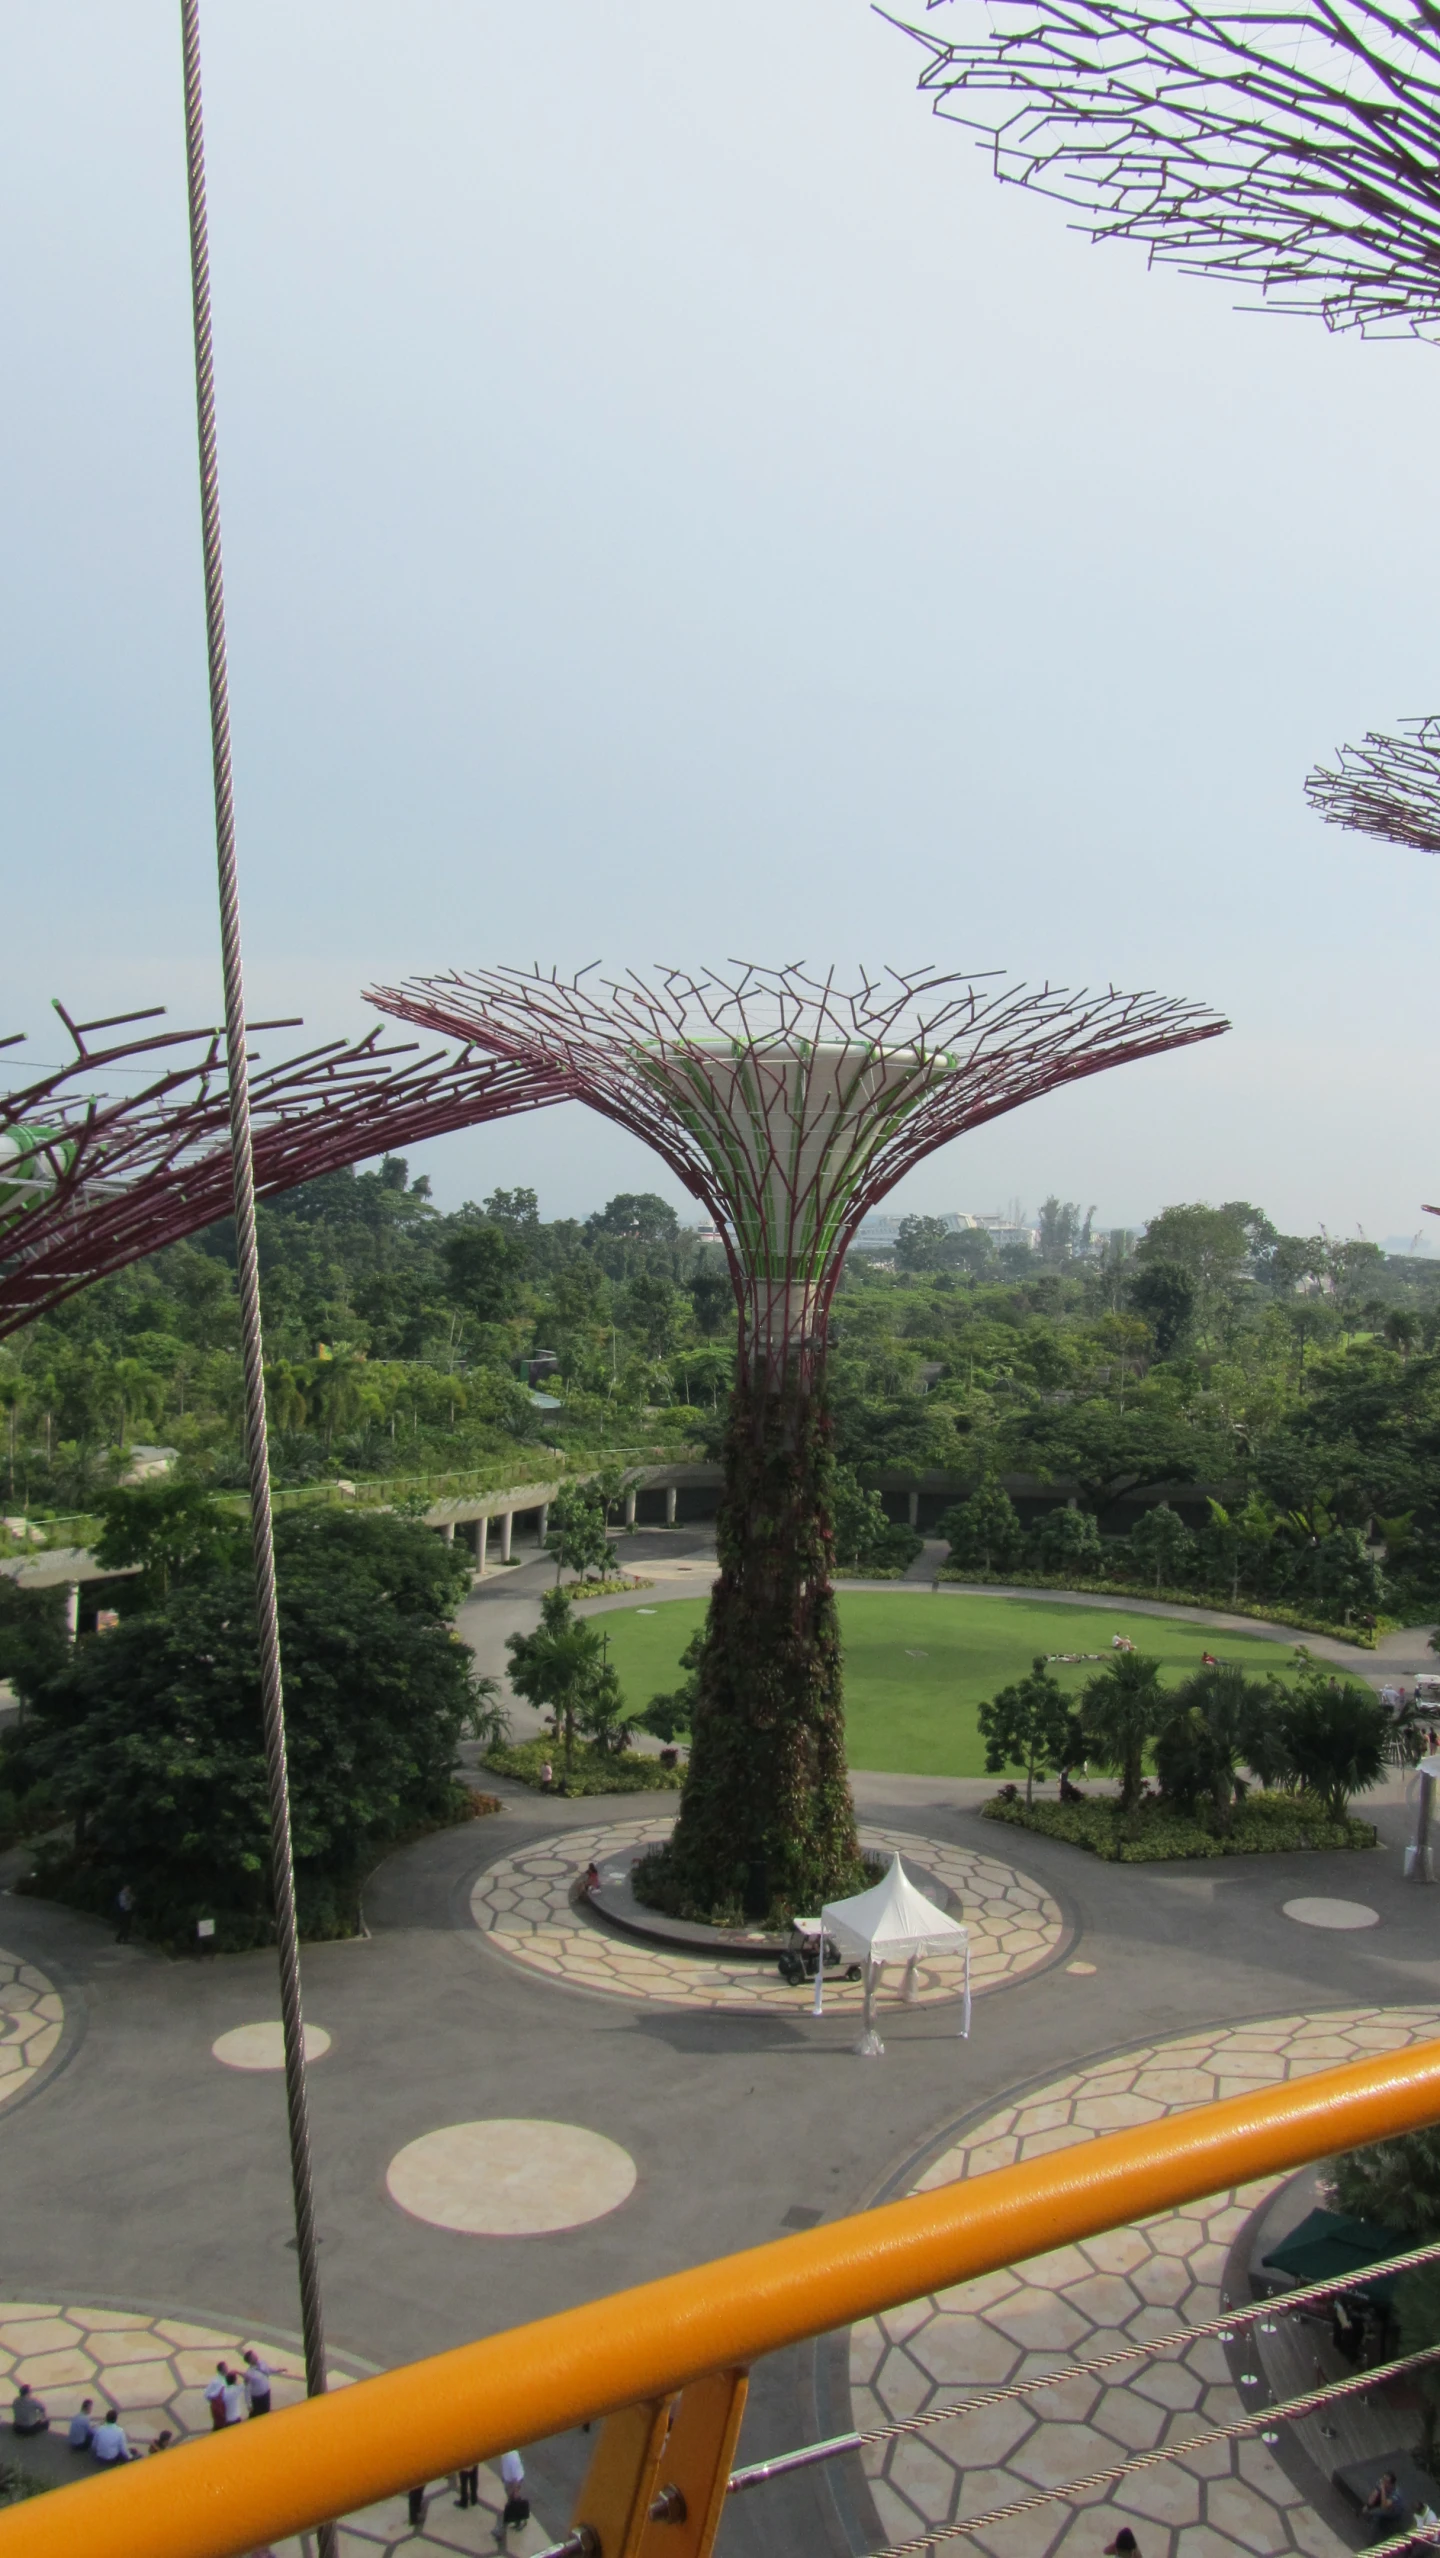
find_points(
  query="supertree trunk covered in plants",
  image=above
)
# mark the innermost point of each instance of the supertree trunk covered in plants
(788, 1109)
(1294, 151)
(126, 1147)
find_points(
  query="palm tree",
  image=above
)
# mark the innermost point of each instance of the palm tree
(1120, 1711)
(561, 1666)
(1218, 1722)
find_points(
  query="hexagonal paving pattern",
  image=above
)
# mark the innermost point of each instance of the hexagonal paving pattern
(31, 2015)
(1232, 2501)
(523, 1905)
(154, 2370)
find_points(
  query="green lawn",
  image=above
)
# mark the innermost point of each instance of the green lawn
(916, 1667)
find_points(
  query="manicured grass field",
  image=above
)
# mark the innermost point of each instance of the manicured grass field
(917, 1666)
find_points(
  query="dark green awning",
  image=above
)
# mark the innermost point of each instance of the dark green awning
(1330, 2247)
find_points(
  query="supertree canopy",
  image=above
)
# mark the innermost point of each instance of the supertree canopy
(788, 1109)
(1386, 786)
(92, 1178)
(1295, 151)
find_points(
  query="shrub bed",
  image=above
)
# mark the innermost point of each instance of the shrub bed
(1263, 1825)
(592, 1771)
(1266, 1611)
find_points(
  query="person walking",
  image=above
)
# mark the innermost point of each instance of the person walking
(516, 2509)
(125, 1914)
(215, 2397)
(416, 2505)
(258, 2374)
(468, 2482)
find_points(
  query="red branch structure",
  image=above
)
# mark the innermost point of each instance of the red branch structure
(788, 1108)
(1387, 786)
(92, 1178)
(1294, 151)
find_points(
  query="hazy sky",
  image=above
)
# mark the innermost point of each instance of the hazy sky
(678, 506)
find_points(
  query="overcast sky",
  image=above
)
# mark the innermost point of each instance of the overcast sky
(677, 506)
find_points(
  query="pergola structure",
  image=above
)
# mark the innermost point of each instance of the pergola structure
(1293, 150)
(788, 1108)
(93, 1177)
(1387, 787)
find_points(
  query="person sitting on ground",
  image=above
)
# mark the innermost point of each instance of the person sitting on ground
(82, 2425)
(1383, 2511)
(110, 2444)
(163, 2441)
(28, 2415)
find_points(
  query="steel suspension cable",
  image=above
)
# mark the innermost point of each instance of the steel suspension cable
(1279, 2305)
(1283, 2411)
(267, 1623)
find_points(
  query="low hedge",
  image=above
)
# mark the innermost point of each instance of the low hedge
(1263, 1825)
(1266, 1611)
(591, 1771)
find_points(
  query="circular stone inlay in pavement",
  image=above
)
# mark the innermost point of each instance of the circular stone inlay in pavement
(1321, 1913)
(522, 1904)
(31, 2015)
(263, 2046)
(511, 2179)
(1124, 2286)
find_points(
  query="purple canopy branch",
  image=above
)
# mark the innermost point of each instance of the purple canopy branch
(1294, 151)
(92, 1179)
(1387, 787)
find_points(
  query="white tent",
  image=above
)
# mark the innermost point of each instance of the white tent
(891, 1923)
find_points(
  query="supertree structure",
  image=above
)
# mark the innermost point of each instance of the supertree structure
(92, 1177)
(1294, 151)
(788, 1109)
(1386, 786)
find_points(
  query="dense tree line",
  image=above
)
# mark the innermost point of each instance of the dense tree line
(1295, 1382)
(1292, 1381)
(396, 1339)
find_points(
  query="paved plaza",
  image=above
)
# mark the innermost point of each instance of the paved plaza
(515, 2107)
(526, 1907)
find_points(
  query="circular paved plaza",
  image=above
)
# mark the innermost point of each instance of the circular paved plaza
(526, 1907)
(31, 2016)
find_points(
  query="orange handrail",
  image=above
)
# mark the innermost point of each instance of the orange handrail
(218, 2497)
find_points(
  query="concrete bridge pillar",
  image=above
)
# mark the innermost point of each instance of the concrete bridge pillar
(630, 1507)
(544, 1522)
(482, 1539)
(670, 1501)
(507, 1522)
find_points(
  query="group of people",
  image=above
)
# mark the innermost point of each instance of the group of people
(230, 2396)
(104, 2439)
(512, 2478)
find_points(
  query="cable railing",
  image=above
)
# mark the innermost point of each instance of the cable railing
(666, 2364)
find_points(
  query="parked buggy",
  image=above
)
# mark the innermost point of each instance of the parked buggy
(800, 1960)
